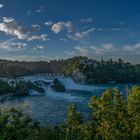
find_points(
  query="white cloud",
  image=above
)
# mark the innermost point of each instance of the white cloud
(19, 45)
(132, 48)
(39, 47)
(48, 23)
(1, 5)
(61, 26)
(35, 27)
(58, 27)
(89, 31)
(63, 39)
(80, 35)
(108, 46)
(11, 45)
(84, 33)
(71, 36)
(109, 29)
(97, 50)
(87, 20)
(83, 51)
(68, 26)
(7, 19)
(40, 9)
(42, 37)
(11, 27)
(6, 44)
(109, 49)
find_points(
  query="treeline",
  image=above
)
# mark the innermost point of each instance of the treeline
(114, 118)
(96, 72)
(89, 70)
(16, 68)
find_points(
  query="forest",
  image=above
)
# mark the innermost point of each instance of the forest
(98, 72)
(10, 68)
(93, 71)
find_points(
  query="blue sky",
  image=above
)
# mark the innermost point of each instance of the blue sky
(54, 29)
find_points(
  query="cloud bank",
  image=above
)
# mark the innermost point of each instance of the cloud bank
(11, 27)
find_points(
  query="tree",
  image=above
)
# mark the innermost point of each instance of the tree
(14, 125)
(134, 111)
(74, 122)
(74, 117)
(110, 115)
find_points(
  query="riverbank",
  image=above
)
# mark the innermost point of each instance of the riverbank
(20, 89)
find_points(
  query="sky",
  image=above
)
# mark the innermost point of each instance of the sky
(34, 30)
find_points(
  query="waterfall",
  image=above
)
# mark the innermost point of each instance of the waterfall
(70, 84)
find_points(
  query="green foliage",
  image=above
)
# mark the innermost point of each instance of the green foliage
(74, 117)
(76, 129)
(110, 115)
(105, 71)
(14, 125)
(114, 118)
(72, 64)
(134, 111)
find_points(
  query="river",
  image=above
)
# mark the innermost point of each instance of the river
(52, 107)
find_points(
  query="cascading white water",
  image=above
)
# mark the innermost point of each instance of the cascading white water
(59, 95)
(70, 84)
